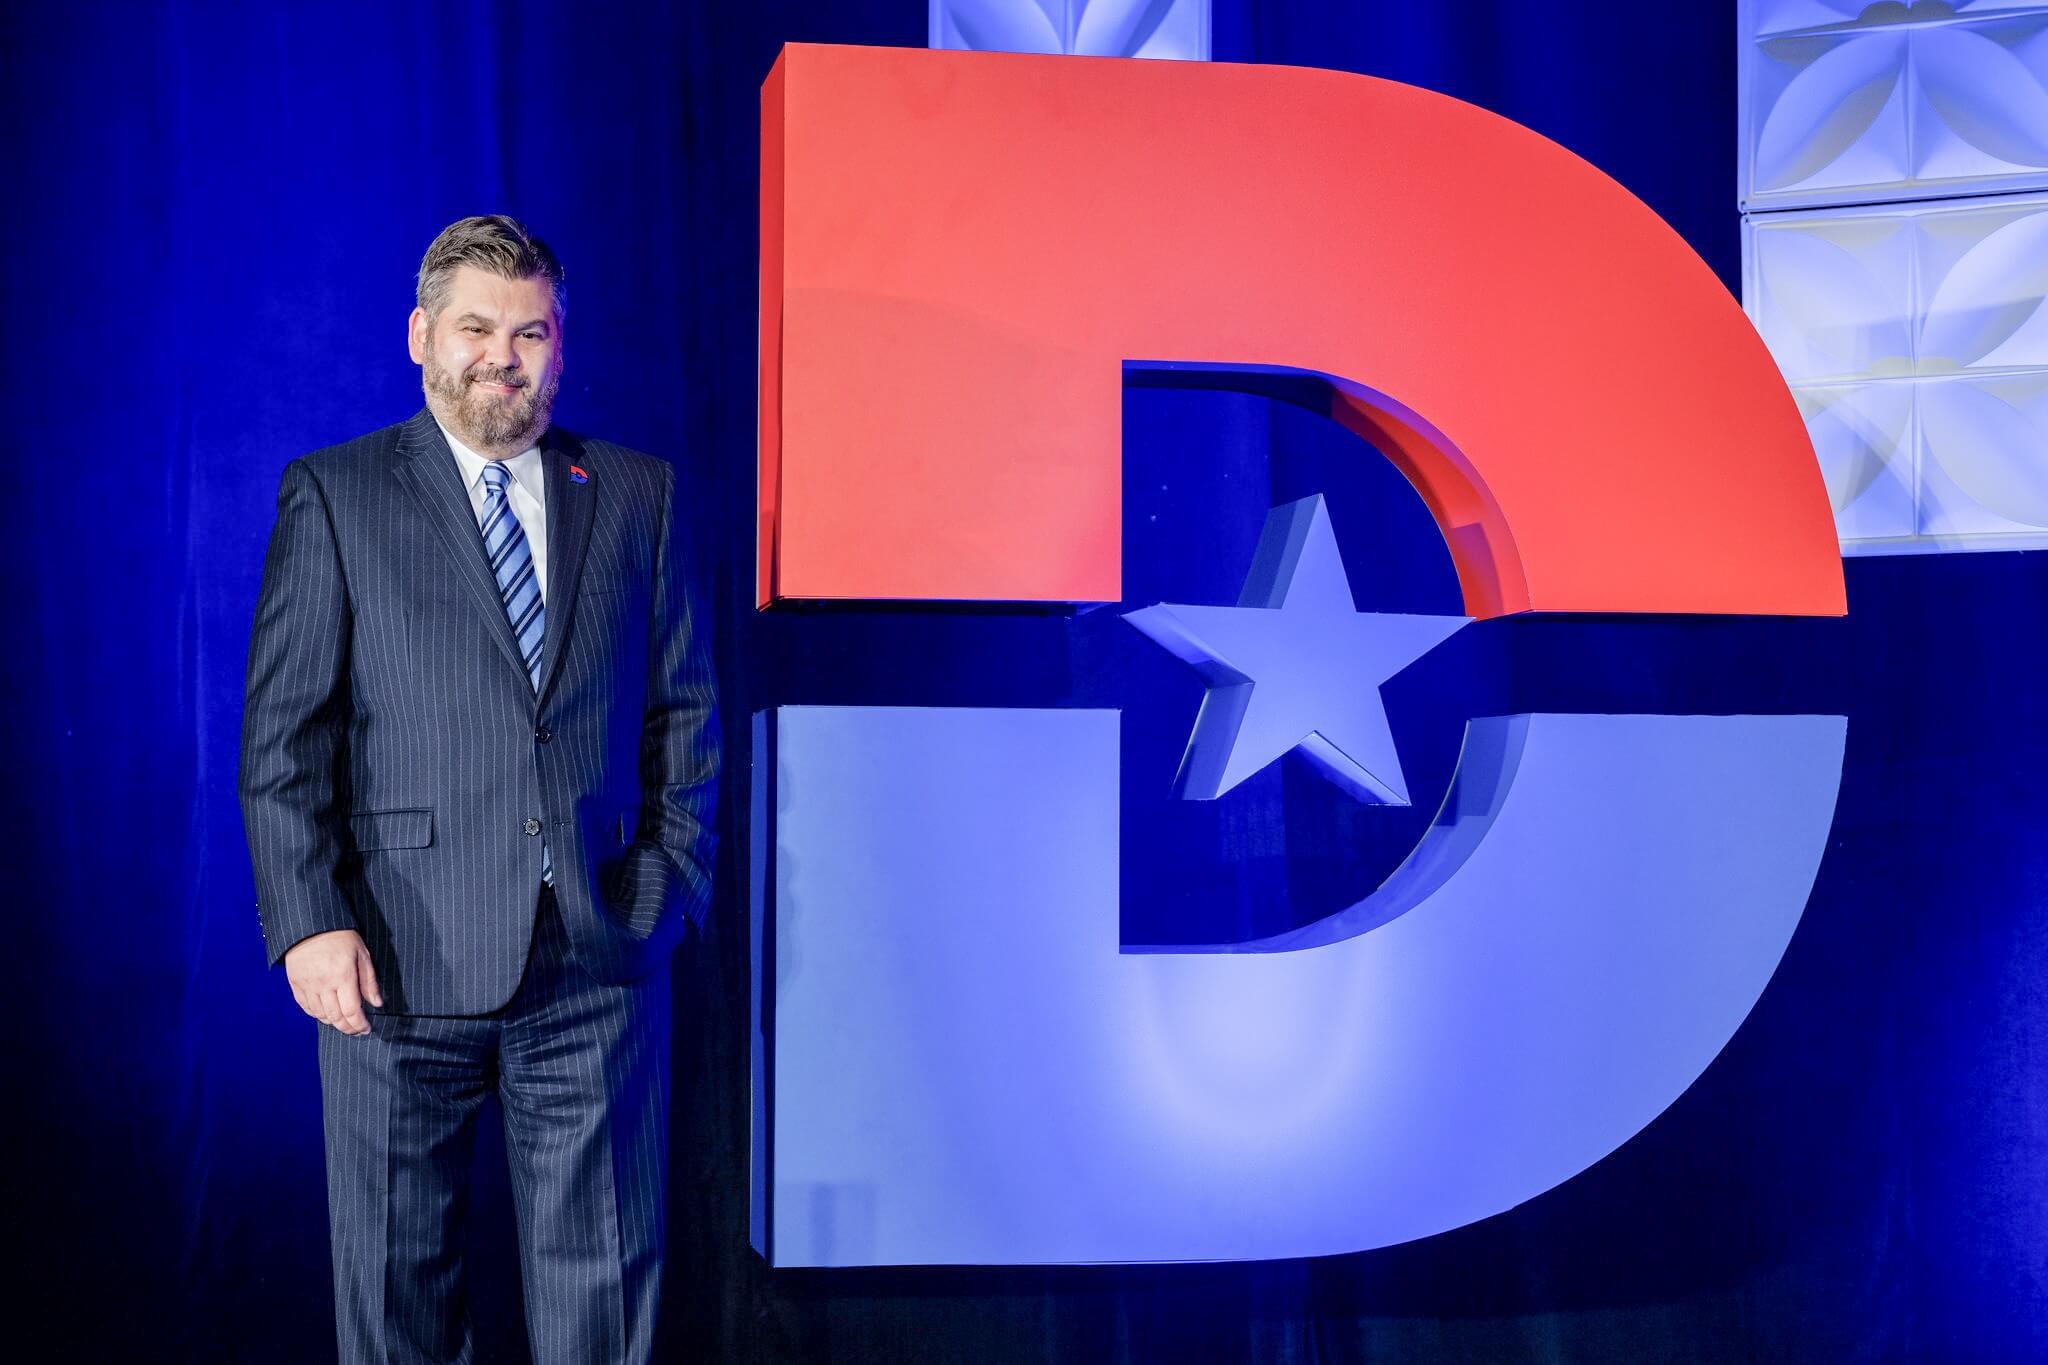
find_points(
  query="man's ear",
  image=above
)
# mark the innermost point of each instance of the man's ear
(416, 335)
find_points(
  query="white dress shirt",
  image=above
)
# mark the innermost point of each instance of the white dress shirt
(528, 493)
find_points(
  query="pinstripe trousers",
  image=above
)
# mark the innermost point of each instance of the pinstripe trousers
(581, 1071)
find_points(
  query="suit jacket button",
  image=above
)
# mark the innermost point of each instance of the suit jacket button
(532, 826)
(543, 734)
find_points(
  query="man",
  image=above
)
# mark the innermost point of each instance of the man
(478, 765)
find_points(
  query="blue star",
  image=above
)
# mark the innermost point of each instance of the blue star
(1295, 665)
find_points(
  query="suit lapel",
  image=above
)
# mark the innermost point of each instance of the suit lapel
(427, 467)
(572, 510)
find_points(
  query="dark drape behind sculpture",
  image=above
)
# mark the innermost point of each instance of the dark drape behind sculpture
(214, 220)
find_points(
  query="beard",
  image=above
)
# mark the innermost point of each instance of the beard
(485, 420)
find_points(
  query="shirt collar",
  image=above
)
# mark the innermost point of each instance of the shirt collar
(525, 466)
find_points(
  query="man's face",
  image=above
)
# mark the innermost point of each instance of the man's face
(491, 362)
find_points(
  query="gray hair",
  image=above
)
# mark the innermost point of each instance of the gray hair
(493, 242)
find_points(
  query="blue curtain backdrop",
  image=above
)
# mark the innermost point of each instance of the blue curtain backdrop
(216, 215)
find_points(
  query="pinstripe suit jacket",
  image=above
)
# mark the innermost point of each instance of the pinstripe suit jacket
(394, 750)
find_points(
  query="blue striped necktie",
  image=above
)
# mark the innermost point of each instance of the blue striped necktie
(512, 561)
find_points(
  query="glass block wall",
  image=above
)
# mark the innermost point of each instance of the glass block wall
(1894, 184)
(1095, 28)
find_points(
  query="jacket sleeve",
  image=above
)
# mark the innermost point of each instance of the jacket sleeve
(669, 866)
(295, 723)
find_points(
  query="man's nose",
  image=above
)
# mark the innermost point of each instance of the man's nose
(500, 352)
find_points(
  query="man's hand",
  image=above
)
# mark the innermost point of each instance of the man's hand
(331, 976)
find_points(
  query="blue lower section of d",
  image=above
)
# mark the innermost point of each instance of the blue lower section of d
(966, 1069)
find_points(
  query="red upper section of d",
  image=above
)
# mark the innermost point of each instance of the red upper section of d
(960, 250)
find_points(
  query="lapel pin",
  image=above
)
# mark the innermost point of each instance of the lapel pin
(576, 474)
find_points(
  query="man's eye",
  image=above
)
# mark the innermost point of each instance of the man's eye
(474, 329)
(531, 336)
